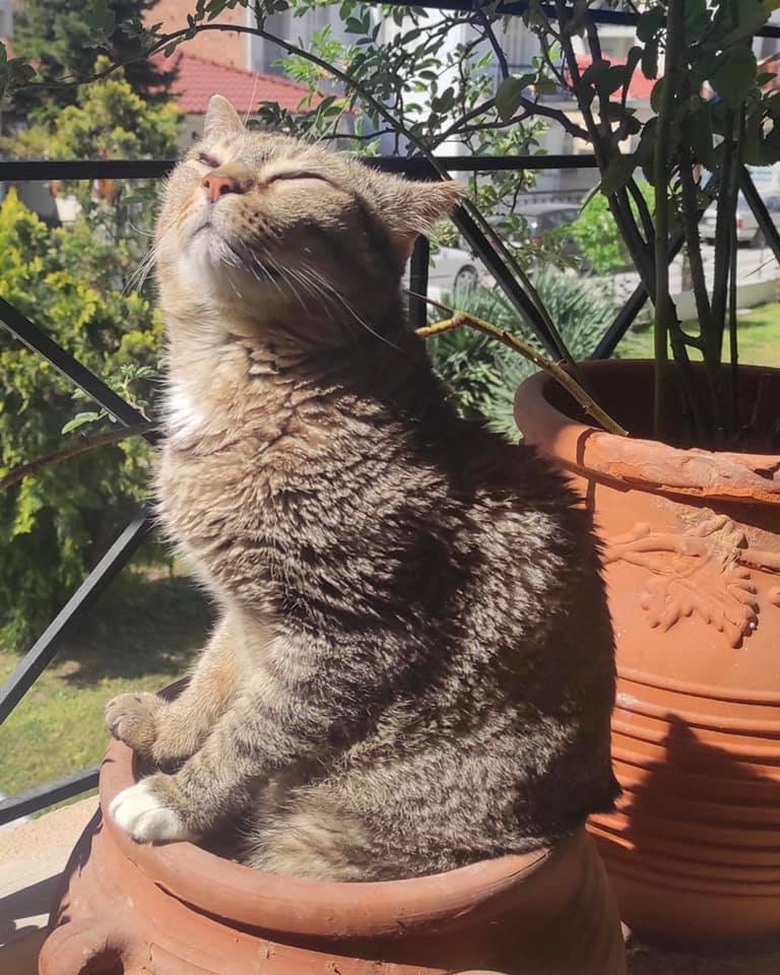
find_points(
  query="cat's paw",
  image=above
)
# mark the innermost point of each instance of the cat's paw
(132, 718)
(142, 813)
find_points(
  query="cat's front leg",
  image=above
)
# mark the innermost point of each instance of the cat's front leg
(261, 732)
(207, 790)
(166, 733)
(132, 718)
(144, 812)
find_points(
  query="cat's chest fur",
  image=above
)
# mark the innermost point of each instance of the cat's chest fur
(250, 456)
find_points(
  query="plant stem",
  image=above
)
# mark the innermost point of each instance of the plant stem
(458, 319)
(724, 245)
(77, 449)
(664, 307)
(733, 418)
(601, 138)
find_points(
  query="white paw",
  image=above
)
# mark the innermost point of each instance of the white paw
(141, 814)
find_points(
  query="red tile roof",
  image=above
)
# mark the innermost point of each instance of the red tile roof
(199, 79)
(639, 88)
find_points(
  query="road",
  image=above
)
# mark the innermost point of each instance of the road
(754, 264)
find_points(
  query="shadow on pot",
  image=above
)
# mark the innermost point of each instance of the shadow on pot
(693, 848)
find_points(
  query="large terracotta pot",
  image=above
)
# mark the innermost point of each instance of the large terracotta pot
(177, 910)
(692, 564)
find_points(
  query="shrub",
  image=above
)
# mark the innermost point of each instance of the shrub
(482, 374)
(53, 526)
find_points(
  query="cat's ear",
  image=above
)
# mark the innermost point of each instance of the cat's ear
(416, 207)
(221, 119)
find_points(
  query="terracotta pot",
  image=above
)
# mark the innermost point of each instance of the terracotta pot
(169, 910)
(692, 563)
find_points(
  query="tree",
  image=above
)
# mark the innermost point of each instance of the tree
(63, 41)
(53, 526)
(73, 282)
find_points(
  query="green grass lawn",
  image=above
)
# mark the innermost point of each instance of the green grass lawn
(758, 336)
(140, 637)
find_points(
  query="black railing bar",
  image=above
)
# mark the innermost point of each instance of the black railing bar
(30, 170)
(618, 18)
(765, 222)
(41, 654)
(621, 324)
(418, 282)
(41, 796)
(479, 164)
(505, 279)
(36, 340)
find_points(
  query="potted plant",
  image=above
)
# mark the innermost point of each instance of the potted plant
(689, 506)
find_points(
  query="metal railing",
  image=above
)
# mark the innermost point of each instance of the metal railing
(122, 550)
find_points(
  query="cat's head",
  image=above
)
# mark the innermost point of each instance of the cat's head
(267, 233)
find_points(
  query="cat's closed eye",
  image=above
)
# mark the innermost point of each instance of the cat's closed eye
(297, 174)
(207, 160)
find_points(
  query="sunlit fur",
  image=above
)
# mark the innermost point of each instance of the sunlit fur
(413, 667)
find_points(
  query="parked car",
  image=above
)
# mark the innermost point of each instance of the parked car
(453, 269)
(541, 218)
(748, 231)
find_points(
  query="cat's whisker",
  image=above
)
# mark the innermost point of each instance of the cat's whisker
(138, 278)
(248, 112)
(140, 230)
(342, 300)
(256, 265)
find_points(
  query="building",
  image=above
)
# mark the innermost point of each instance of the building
(199, 78)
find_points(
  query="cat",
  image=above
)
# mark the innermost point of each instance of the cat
(414, 664)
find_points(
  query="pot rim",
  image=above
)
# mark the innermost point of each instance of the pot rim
(307, 907)
(638, 463)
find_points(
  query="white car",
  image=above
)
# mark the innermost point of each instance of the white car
(452, 269)
(747, 226)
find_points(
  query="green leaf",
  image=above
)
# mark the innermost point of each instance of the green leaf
(649, 23)
(734, 74)
(100, 18)
(444, 102)
(657, 94)
(509, 94)
(545, 86)
(79, 420)
(615, 77)
(697, 17)
(595, 70)
(750, 15)
(649, 63)
(646, 146)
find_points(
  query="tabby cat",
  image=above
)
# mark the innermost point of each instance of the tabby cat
(413, 668)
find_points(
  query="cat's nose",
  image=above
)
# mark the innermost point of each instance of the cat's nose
(218, 184)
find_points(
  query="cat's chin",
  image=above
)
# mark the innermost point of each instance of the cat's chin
(209, 253)
(208, 248)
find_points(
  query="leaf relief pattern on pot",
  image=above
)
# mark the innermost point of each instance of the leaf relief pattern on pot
(704, 571)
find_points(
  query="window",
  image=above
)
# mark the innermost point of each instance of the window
(6, 19)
